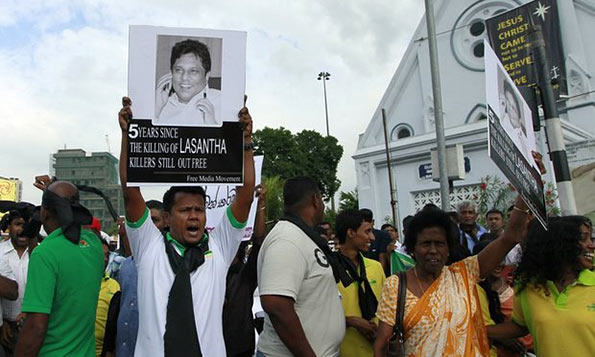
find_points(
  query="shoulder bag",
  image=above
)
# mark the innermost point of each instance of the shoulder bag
(396, 344)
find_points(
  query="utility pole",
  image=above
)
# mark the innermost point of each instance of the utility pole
(553, 129)
(438, 118)
(325, 76)
(393, 200)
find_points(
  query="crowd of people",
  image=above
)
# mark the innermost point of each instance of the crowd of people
(449, 287)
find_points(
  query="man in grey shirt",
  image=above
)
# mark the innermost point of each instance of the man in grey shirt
(297, 287)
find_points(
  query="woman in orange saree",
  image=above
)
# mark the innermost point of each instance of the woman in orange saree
(442, 313)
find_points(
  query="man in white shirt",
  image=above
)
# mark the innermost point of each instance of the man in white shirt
(182, 273)
(298, 291)
(14, 260)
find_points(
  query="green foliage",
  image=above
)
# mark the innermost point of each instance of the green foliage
(389, 219)
(551, 196)
(496, 194)
(274, 203)
(330, 216)
(306, 153)
(348, 200)
(112, 230)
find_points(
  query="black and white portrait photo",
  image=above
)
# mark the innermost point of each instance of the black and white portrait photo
(188, 78)
(509, 106)
(511, 114)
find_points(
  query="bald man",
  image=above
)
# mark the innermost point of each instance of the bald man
(64, 277)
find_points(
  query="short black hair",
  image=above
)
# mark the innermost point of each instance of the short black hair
(154, 204)
(484, 241)
(368, 214)
(170, 195)
(320, 230)
(8, 218)
(494, 210)
(508, 88)
(296, 190)
(430, 206)
(430, 218)
(406, 222)
(487, 237)
(194, 47)
(386, 225)
(454, 215)
(349, 218)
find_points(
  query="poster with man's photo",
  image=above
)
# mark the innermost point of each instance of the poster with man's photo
(187, 87)
(510, 135)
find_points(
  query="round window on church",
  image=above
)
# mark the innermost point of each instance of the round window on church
(469, 30)
(478, 50)
(477, 28)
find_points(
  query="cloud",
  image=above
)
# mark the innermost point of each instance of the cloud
(64, 68)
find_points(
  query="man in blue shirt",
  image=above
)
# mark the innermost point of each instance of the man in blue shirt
(470, 231)
(128, 317)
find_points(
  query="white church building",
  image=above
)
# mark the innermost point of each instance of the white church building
(408, 103)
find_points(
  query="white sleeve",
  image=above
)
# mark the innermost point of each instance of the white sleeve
(282, 269)
(514, 256)
(227, 236)
(141, 235)
(5, 269)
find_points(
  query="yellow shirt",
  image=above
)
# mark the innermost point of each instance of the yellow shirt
(563, 323)
(485, 311)
(109, 287)
(354, 343)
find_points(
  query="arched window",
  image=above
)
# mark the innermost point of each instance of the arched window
(401, 131)
(476, 114)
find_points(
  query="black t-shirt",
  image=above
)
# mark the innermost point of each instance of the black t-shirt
(381, 241)
(238, 322)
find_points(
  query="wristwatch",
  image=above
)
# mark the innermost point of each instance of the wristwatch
(249, 146)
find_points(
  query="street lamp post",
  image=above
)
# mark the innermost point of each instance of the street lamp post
(325, 76)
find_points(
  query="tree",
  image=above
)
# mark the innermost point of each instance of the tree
(274, 203)
(348, 200)
(306, 153)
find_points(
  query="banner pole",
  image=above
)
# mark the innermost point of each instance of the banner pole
(553, 128)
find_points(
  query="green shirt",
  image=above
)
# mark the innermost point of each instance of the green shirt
(63, 281)
(561, 323)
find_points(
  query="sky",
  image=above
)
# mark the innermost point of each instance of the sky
(64, 68)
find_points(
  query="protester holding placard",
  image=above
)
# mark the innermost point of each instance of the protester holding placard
(181, 274)
(441, 314)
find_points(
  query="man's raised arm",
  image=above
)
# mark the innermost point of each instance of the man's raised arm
(133, 200)
(240, 206)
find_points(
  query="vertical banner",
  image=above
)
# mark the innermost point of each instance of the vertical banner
(508, 34)
(220, 197)
(510, 135)
(187, 87)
